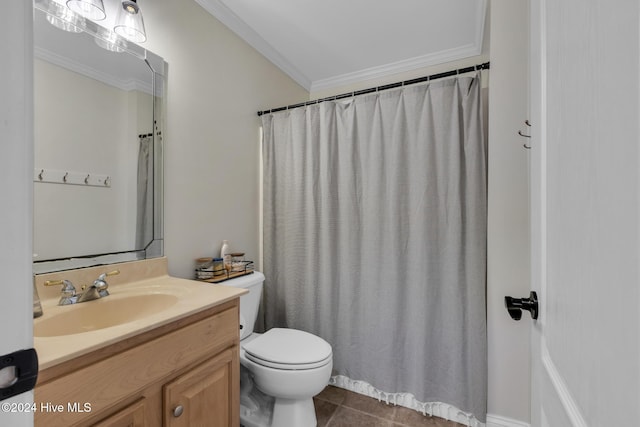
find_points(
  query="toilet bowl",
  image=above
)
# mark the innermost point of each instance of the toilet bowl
(288, 366)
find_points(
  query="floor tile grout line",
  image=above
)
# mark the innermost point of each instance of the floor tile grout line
(390, 405)
(339, 405)
(328, 424)
(369, 414)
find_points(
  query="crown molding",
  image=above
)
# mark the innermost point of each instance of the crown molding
(69, 64)
(221, 12)
(396, 67)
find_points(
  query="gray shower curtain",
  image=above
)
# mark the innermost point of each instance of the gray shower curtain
(375, 236)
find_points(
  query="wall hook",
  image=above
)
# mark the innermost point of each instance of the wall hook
(528, 147)
(86, 179)
(40, 175)
(64, 178)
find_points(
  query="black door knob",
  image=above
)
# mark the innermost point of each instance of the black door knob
(516, 305)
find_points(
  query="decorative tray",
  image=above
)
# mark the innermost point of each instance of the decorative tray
(226, 275)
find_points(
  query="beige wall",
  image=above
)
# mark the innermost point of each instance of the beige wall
(216, 84)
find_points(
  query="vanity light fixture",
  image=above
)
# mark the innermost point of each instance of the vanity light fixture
(92, 9)
(66, 20)
(110, 41)
(129, 23)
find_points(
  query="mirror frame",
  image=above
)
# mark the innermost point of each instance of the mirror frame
(158, 69)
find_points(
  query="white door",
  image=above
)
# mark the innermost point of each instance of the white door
(585, 212)
(16, 172)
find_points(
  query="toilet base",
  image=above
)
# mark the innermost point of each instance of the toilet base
(255, 406)
(258, 409)
(294, 413)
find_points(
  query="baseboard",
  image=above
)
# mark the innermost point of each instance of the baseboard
(500, 421)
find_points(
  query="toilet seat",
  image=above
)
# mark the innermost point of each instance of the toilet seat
(288, 349)
(288, 366)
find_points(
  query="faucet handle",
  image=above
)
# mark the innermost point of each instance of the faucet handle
(101, 285)
(68, 294)
(110, 273)
(67, 286)
(53, 282)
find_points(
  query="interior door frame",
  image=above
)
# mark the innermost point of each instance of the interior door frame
(537, 113)
(16, 188)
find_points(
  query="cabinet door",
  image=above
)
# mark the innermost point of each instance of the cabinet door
(205, 396)
(131, 416)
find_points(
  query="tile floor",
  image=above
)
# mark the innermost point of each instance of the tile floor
(337, 407)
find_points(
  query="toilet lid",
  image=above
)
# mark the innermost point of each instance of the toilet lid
(279, 346)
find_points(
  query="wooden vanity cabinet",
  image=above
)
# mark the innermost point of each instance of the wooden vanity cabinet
(134, 415)
(186, 373)
(202, 394)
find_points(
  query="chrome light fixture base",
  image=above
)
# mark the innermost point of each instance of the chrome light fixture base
(66, 21)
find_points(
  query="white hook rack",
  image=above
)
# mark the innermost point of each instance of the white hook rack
(69, 177)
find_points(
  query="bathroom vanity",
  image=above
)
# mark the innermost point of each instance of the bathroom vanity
(172, 361)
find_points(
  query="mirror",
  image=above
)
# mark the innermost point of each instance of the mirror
(98, 120)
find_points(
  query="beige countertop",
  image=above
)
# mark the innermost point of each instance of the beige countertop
(142, 297)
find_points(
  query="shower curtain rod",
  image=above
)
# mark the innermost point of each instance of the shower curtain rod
(477, 67)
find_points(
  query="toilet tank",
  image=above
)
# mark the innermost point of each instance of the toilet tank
(249, 303)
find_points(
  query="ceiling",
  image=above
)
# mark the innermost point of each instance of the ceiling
(332, 43)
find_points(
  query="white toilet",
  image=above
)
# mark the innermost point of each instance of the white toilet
(287, 366)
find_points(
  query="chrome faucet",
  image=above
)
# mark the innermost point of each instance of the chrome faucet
(98, 289)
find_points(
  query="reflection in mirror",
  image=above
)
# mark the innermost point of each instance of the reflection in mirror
(98, 144)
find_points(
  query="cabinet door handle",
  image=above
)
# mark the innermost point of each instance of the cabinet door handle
(178, 410)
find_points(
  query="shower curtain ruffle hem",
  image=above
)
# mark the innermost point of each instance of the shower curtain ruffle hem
(407, 400)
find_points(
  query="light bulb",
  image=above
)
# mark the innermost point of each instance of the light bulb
(129, 23)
